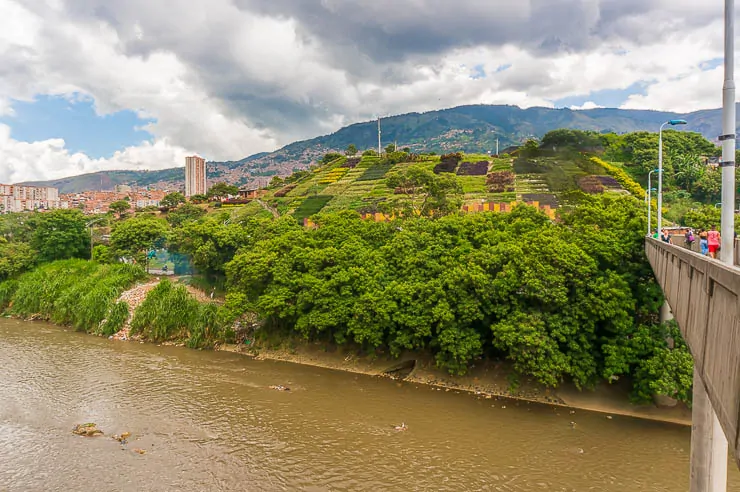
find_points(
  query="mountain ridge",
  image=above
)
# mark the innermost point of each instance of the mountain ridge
(468, 128)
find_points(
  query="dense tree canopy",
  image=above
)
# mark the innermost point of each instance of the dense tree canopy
(222, 190)
(172, 200)
(574, 300)
(134, 236)
(60, 234)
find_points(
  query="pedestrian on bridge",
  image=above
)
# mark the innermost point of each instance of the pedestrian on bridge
(713, 241)
(703, 245)
(665, 237)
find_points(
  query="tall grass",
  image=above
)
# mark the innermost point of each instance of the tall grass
(168, 311)
(75, 293)
(7, 290)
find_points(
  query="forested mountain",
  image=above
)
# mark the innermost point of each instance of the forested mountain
(472, 129)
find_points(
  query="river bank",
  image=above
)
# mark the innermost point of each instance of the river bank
(486, 379)
(181, 314)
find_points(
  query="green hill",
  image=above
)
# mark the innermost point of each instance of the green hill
(471, 129)
(545, 177)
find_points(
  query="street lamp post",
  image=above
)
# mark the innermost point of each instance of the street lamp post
(650, 199)
(660, 168)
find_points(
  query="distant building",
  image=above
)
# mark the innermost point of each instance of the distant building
(14, 198)
(123, 189)
(195, 176)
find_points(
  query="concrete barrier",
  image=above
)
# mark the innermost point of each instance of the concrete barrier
(704, 295)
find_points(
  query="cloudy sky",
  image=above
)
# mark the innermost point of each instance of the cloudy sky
(88, 85)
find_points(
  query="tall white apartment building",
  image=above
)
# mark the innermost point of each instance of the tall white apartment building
(195, 176)
(15, 198)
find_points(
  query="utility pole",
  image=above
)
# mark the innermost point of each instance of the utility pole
(380, 150)
(497, 147)
(708, 440)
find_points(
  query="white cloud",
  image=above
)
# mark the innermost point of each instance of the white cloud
(228, 78)
(49, 159)
(586, 105)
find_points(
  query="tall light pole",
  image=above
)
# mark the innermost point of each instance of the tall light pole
(708, 440)
(650, 199)
(660, 168)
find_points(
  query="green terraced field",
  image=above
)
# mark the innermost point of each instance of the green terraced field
(362, 188)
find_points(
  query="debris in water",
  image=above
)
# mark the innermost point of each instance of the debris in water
(88, 430)
(401, 427)
(279, 387)
(140, 451)
(122, 438)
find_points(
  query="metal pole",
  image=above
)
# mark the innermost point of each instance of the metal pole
(660, 177)
(380, 151)
(708, 440)
(497, 147)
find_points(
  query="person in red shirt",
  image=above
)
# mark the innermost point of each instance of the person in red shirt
(713, 241)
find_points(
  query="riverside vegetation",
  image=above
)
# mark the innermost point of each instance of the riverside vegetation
(570, 300)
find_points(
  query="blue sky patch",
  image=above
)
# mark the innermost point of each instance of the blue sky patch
(711, 64)
(75, 121)
(479, 72)
(609, 98)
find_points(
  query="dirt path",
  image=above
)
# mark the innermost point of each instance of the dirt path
(133, 297)
(270, 209)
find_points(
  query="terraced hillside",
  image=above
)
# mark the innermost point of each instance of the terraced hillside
(360, 183)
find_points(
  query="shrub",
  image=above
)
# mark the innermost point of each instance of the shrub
(622, 177)
(448, 163)
(500, 181)
(479, 168)
(351, 162)
(591, 184)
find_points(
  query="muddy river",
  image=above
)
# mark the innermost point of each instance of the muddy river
(208, 421)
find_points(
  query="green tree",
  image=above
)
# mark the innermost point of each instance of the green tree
(16, 226)
(135, 236)
(331, 156)
(197, 199)
(60, 234)
(103, 254)
(351, 150)
(688, 170)
(119, 207)
(184, 213)
(222, 190)
(427, 193)
(172, 200)
(390, 148)
(15, 258)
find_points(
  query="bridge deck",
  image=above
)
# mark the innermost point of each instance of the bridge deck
(703, 294)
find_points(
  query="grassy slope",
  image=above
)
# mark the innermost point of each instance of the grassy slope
(332, 187)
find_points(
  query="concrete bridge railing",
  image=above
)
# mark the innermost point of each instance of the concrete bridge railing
(704, 295)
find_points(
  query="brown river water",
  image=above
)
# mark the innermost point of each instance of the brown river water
(209, 422)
